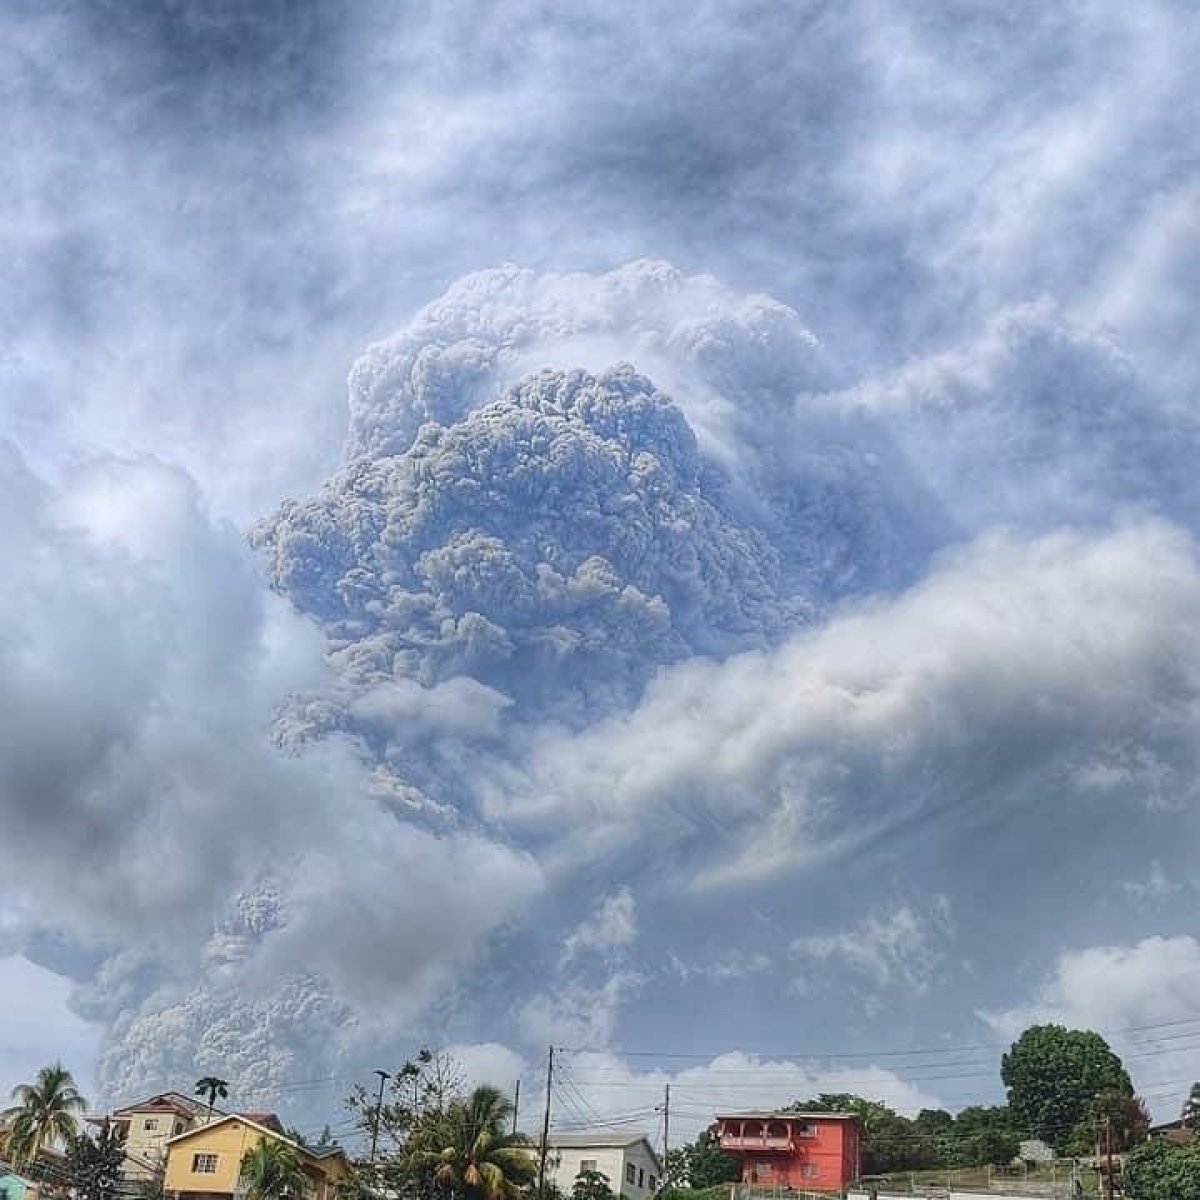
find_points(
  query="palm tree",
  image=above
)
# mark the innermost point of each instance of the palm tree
(271, 1171)
(46, 1110)
(212, 1088)
(469, 1152)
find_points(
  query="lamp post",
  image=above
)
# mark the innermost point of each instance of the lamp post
(383, 1078)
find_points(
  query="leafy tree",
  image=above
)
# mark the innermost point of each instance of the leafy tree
(213, 1089)
(982, 1135)
(470, 1151)
(592, 1185)
(1161, 1170)
(94, 1163)
(1126, 1117)
(1053, 1075)
(271, 1170)
(675, 1169)
(706, 1164)
(934, 1122)
(46, 1109)
(418, 1089)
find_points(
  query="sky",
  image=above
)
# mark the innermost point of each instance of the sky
(668, 532)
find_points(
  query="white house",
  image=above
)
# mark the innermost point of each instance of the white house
(628, 1161)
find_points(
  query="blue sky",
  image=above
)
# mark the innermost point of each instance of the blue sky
(670, 533)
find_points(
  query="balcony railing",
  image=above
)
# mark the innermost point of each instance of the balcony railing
(755, 1141)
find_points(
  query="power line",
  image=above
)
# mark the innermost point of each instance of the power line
(957, 1048)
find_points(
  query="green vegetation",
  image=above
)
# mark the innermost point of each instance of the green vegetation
(94, 1163)
(438, 1142)
(46, 1109)
(1161, 1170)
(701, 1164)
(271, 1171)
(592, 1185)
(213, 1089)
(1054, 1075)
(468, 1152)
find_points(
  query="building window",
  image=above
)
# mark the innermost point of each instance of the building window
(178, 1128)
(587, 1164)
(150, 1124)
(204, 1164)
(630, 1173)
(806, 1131)
(811, 1171)
(653, 1184)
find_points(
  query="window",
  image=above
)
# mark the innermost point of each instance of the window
(653, 1184)
(806, 1130)
(641, 1178)
(204, 1164)
(587, 1164)
(630, 1173)
(150, 1124)
(811, 1170)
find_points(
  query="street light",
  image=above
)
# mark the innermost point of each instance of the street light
(383, 1078)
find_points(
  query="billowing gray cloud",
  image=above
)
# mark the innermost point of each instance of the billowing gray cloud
(567, 538)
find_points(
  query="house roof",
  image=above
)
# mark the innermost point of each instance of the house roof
(275, 1133)
(165, 1102)
(268, 1120)
(760, 1115)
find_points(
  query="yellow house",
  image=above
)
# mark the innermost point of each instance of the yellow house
(206, 1163)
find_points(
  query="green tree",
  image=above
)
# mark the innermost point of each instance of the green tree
(271, 1170)
(1161, 1170)
(94, 1163)
(1126, 1119)
(982, 1135)
(706, 1164)
(934, 1129)
(592, 1185)
(1053, 1074)
(418, 1089)
(470, 1151)
(212, 1089)
(675, 1169)
(46, 1109)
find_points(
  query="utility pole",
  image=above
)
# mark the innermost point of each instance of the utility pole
(1109, 1179)
(666, 1130)
(516, 1105)
(383, 1077)
(545, 1125)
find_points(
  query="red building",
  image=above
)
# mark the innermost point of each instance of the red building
(807, 1152)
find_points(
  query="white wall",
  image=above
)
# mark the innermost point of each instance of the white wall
(564, 1164)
